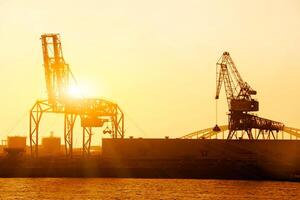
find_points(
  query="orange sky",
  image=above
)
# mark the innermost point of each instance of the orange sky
(155, 58)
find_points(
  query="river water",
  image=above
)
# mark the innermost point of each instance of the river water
(102, 188)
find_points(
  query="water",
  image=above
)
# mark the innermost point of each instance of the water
(100, 188)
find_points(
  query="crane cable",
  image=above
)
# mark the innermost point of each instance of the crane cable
(216, 128)
(216, 111)
(17, 122)
(138, 127)
(130, 118)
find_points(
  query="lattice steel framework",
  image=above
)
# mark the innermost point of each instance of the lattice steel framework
(92, 112)
(209, 133)
(240, 102)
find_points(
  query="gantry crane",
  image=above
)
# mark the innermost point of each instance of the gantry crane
(241, 103)
(92, 112)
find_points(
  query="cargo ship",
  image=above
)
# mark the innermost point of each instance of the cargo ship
(168, 158)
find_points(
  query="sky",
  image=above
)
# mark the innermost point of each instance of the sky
(156, 59)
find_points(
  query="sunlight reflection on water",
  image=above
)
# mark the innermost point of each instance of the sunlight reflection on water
(102, 188)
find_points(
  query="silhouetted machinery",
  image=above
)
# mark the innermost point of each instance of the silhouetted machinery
(240, 103)
(92, 112)
(16, 145)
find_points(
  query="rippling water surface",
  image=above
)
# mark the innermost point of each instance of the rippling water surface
(100, 188)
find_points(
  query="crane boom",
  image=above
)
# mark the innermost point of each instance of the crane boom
(239, 93)
(57, 71)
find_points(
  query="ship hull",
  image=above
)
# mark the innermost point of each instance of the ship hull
(170, 158)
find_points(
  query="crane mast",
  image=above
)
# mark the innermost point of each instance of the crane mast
(56, 69)
(240, 102)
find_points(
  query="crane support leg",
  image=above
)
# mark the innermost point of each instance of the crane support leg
(118, 123)
(230, 134)
(34, 123)
(86, 140)
(249, 133)
(36, 113)
(68, 133)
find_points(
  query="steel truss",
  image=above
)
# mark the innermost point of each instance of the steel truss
(69, 123)
(257, 134)
(93, 113)
(86, 140)
(241, 103)
(239, 121)
(36, 113)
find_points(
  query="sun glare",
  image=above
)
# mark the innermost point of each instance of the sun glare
(75, 92)
(84, 91)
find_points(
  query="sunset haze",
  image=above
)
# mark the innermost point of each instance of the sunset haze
(156, 59)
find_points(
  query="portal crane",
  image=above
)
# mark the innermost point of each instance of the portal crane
(241, 103)
(92, 112)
